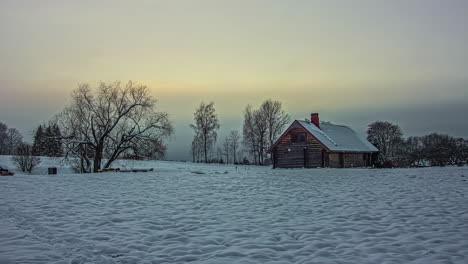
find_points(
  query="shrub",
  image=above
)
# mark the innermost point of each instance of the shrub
(24, 159)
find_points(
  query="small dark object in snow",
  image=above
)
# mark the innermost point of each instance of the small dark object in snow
(142, 170)
(5, 172)
(136, 170)
(52, 170)
(226, 172)
(198, 172)
(110, 169)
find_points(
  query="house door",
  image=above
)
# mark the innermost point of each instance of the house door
(325, 159)
(341, 160)
(365, 158)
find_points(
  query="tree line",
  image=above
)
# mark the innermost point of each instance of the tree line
(100, 125)
(11, 143)
(121, 120)
(47, 140)
(429, 150)
(261, 127)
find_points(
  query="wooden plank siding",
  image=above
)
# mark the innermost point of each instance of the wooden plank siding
(335, 160)
(349, 160)
(354, 160)
(306, 154)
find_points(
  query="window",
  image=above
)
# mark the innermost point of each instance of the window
(298, 137)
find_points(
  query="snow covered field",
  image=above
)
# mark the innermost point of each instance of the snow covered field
(216, 214)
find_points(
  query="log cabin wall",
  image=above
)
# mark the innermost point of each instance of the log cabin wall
(288, 154)
(352, 160)
(335, 160)
(348, 160)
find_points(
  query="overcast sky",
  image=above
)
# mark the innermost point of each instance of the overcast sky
(352, 61)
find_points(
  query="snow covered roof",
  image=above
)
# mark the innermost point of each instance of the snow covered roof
(338, 138)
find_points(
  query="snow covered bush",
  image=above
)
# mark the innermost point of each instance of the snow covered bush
(24, 159)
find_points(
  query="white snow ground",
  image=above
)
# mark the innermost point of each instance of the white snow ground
(248, 215)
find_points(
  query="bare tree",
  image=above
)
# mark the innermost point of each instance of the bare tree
(262, 126)
(24, 159)
(276, 118)
(414, 151)
(227, 148)
(250, 134)
(112, 119)
(385, 136)
(12, 141)
(261, 134)
(439, 149)
(140, 132)
(197, 148)
(219, 154)
(234, 140)
(206, 126)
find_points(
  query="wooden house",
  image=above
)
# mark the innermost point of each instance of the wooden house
(309, 144)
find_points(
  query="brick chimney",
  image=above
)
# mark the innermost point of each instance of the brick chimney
(314, 118)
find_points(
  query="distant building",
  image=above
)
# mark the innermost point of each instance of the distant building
(309, 144)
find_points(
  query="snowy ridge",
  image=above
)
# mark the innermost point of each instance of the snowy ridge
(243, 215)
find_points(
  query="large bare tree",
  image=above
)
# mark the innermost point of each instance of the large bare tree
(110, 120)
(249, 136)
(206, 126)
(276, 118)
(385, 136)
(261, 134)
(262, 126)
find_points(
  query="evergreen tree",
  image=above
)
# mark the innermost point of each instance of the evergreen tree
(38, 145)
(48, 141)
(57, 150)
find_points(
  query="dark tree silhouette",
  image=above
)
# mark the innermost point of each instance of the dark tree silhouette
(386, 137)
(112, 119)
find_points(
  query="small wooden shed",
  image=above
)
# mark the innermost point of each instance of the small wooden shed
(309, 144)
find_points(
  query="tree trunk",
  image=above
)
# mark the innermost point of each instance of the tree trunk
(97, 163)
(98, 158)
(206, 154)
(234, 155)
